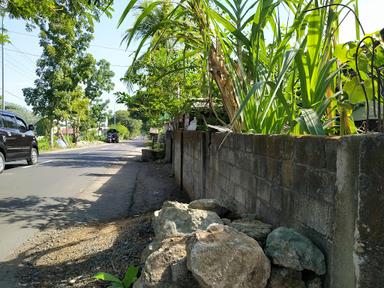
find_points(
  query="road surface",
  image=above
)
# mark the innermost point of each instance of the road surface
(64, 188)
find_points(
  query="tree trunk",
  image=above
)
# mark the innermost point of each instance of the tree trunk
(51, 134)
(224, 82)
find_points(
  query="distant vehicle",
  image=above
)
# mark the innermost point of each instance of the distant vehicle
(17, 140)
(112, 136)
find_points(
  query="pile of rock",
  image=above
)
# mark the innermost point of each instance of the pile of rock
(197, 245)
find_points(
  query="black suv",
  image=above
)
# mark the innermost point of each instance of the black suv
(17, 140)
(112, 136)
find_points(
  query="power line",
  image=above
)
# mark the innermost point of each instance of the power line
(25, 56)
(22, 52)
(16, 69)
(14, 95)
(92, 45)
(21, 63)
(35, 55)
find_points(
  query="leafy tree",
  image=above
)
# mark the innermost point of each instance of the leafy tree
(64, 69)
(99, 82)
(135, 127)
(98, 112)
(123, 117)
(37, 10)
(163, 90)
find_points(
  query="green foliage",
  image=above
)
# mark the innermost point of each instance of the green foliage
(43, 143)
(91, 136)
(70, 81)
(164, 80)
(122, 130)
(124, 117)
(284, 84)
(43, 127)
(135, 127)
(129, 278)
(36, 10)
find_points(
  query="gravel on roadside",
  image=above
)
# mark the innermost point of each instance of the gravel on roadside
(71, 257)
(70, 254)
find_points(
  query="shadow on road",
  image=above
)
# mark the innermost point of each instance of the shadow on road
(135, 189)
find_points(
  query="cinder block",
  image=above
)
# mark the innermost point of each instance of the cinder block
(274, 171)
(310, 150)
(276, 197)
(264, 190)
(260, 166)
(260, 145)
(314, 213)
(287, 174)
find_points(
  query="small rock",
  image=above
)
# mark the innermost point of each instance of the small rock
(253, 228)
(175, 204)
(176, 219)
(166, 267)
(209, 205)
(223, 257)
(285, 278)
(290, 249)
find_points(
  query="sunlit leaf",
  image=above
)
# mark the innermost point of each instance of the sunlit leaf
(355, 90)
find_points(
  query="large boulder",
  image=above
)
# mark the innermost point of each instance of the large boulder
(209, 205)
(176, 219)
(223, 257)
(166, 267)
(285, 278)
(253, 228)
(152, 247)
(290, 249)
(314, 283)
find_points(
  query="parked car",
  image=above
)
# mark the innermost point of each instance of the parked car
(17, 140)
(112, 136)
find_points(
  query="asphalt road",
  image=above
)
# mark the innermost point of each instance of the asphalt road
(64, 188)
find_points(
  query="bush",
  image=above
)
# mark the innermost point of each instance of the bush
(134, 127)
(43, 143)
(90, 136)
(43, 127)
(122, 130)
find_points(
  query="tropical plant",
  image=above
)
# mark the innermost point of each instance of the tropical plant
(129, 278)
(272, 60)
(361, 80)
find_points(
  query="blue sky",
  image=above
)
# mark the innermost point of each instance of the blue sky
(21, 55)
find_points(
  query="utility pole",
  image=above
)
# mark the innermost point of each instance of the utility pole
(114, 114)
(2, 63)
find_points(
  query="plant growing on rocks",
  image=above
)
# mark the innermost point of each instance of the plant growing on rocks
(129, 278)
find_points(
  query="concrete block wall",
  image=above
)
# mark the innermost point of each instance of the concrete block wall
(324, 187)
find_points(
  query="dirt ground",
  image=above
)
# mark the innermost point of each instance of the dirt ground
(70, 255)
